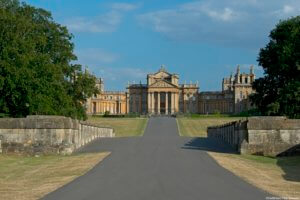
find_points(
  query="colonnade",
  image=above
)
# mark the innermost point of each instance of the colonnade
(112, 107)
(155, 103)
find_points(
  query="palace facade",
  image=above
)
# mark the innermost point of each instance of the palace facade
(163, 94)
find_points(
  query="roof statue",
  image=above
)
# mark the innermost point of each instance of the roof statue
(162, 68)
(252, 69)
(238, 69)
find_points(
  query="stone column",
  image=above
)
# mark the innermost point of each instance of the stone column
(176, 102)
(149, 102)
(152, 102)
(167, 102)
(127, 103)
(172, 102)
(158, 103)
(140, 103)
(133, 103)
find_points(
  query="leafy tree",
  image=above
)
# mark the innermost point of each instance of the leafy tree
(36, 71)
(278, 92)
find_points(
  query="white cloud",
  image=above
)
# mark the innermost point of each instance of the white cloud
(104, 23)
(124, 6)
(288, 9)
(108, 22)
(245, 23)
(226, 15)
(202, 8)
(101, 63)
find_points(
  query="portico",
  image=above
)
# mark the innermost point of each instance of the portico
(162, 101)
(162, 95)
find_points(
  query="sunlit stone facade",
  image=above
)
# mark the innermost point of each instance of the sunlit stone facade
(164, 95)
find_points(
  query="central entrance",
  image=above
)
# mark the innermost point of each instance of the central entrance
(160, 103)
(163, 103)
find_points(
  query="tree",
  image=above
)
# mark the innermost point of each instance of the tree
(278, 92)
(36, 71)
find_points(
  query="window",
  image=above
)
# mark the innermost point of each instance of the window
(94, 107)
(241, 79)
(241, 95)
(246, 80)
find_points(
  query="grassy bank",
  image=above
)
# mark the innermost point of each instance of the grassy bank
(278, 176)
(123, 127)
(197, 126)
(33, 177)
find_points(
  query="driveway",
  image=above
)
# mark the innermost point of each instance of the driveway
(161, 165)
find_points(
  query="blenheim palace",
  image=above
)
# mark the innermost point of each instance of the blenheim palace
(164, 95)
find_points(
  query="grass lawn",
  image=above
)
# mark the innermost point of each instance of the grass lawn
(278, 176)
(123, 127)
(197, 127)
(24, 177)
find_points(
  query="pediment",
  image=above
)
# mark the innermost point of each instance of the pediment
(161, 74)
(163, 84)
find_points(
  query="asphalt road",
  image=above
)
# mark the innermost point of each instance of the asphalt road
(161, 165)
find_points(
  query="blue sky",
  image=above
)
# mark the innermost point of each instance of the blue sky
(203, 41)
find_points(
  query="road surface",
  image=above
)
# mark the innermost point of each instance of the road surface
(160, 165)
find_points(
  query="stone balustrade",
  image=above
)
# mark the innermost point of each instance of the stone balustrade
(233, 133)
(47, 134)
(270, 136)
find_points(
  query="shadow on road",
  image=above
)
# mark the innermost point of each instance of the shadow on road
(291, 167)
(208, 144)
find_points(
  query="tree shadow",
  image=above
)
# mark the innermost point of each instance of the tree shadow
(289, 162)
(209, 144)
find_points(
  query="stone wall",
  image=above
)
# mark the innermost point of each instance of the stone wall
(47, 134)
(270, 136)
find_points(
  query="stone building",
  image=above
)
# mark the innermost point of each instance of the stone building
(163, 94)
(234, 97)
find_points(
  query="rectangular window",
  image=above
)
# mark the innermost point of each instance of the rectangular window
(94, 107)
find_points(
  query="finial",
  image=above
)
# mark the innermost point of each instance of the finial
(238, 69)
(162, 68)
(251, 69)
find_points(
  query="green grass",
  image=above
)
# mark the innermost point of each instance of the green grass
(206, 116)
(285, 161)
(197, 126)
(123, 127)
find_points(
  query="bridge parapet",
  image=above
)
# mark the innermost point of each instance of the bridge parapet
(270, 136)
(47, 134)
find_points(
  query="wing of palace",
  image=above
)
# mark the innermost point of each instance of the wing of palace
(164, 95)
